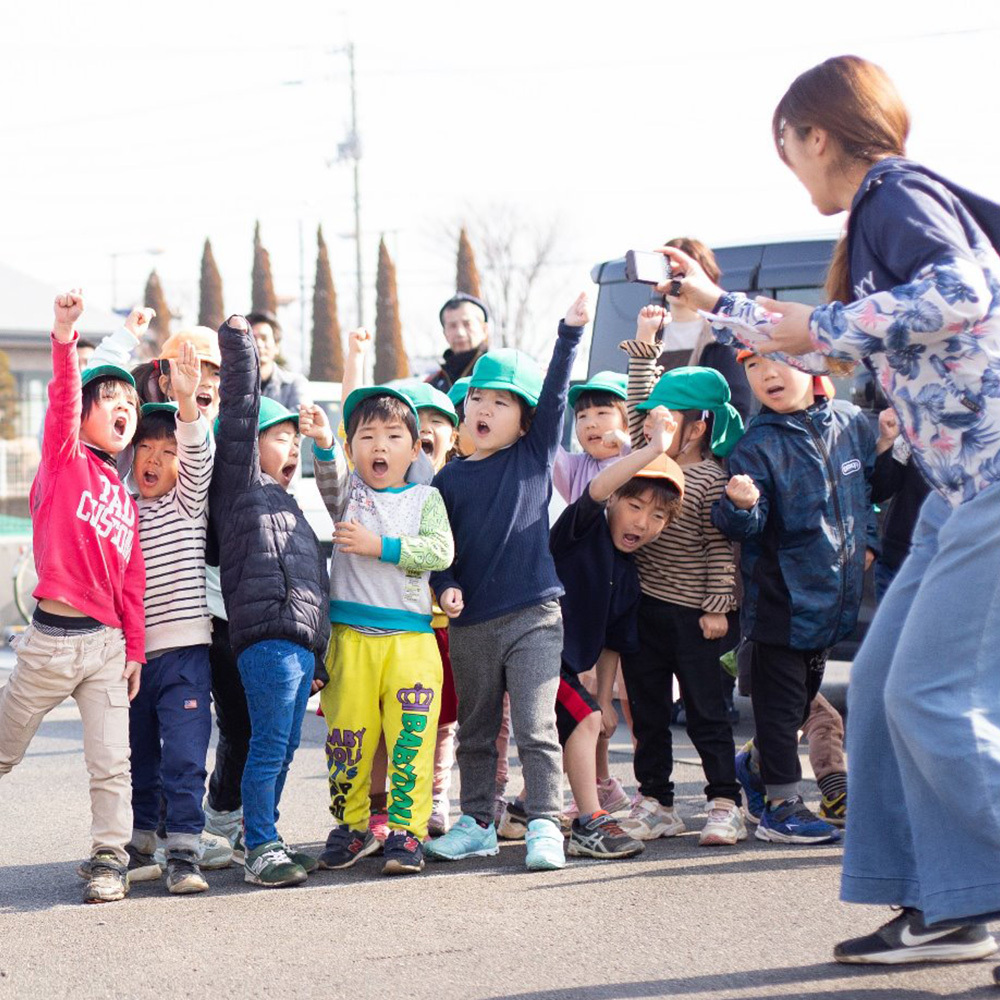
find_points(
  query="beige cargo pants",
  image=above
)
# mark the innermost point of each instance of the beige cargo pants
(89, 668)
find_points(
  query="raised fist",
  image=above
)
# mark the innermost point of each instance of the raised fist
(743, 492)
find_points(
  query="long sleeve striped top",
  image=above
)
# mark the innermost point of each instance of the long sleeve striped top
(691, 562)
(172, 531)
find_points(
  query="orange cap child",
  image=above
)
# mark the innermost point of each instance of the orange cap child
(822, 384)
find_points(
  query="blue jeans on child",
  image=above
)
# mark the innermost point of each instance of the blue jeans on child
(277, 676)
(170, 722)
(923, 729)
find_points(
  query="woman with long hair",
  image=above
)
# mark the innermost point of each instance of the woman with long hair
(914, 293)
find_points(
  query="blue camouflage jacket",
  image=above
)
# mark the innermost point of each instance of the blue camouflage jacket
(803, 543)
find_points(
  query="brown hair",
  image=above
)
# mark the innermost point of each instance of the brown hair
(601, 399)
(701, 253)
(858, 105)
(383, 409)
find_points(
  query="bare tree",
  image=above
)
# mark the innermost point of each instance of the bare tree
(514, 255)
(466, 272)
(211, 311)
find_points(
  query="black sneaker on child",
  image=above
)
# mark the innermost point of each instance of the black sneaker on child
(907, 938)
(345, 846)
(184, 877)
(600, 836)
(403, 854)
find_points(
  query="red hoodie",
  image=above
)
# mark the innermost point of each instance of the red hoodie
(85, 526)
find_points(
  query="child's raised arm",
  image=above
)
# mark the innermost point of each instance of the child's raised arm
(117, 348)
(62, 418)
(617, 474)
(194, 453)
(237, 458)
(358, 343)
(642, 370)
(330, 463)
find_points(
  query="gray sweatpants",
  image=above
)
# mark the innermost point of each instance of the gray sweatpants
(519, 653)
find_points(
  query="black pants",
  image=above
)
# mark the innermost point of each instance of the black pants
(672, 645)
(233, 719)
(783, 683)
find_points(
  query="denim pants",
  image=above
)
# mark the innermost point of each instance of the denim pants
(170, 723)
(923, 725)
(277, 676)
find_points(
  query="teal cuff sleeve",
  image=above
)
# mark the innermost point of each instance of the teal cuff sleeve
(324, 454)
(392, 550)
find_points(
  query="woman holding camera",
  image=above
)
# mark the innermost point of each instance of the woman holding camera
(914, 291)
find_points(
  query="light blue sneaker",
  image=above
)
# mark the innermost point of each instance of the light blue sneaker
(545, 846)
(466, 839)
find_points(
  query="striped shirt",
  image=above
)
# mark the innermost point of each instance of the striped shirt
(691, 563)
(172, 531)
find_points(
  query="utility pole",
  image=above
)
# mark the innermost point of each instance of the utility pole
(350, 149)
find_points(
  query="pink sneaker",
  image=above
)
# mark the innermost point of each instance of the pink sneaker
(612, 796)
(378, 826)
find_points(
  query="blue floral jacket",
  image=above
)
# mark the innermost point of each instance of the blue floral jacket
(926, 317)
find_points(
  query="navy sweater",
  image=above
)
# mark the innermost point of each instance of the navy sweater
(499, 509)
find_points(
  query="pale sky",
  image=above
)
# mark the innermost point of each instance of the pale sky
(128, 127)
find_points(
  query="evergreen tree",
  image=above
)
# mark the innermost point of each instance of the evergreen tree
(211, 312)
(262, 297)
(327, 361)
(154, 298)
(8, 400)
(467, 276)
(390, 355)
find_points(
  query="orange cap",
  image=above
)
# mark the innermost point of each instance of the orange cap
(663, 467)
(205, 340)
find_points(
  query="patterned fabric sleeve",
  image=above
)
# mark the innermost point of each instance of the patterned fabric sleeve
(434, 547)
(642, 375)
(720, 583)
(944, 301)
(333, 477)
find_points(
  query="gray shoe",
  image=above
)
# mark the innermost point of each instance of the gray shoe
(216, 853)
(107, 879)
(141, 867)
(183, 874)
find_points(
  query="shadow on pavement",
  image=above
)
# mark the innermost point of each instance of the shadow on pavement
(758, 980)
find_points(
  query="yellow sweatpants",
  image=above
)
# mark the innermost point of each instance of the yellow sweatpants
(378, 684)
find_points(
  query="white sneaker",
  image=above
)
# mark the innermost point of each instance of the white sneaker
(223, 824)
(216, 852)
(650, 819)
(724, 825)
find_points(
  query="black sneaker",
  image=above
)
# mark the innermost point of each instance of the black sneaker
(107, 880)
(402, 853)
(345, 846)
(141, 867)
(513, 823)
(907, 938)
(183, 874)
(601, 837)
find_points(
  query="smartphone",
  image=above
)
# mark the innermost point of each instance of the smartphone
(646, 267)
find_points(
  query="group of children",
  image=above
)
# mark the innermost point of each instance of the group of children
(449, 604)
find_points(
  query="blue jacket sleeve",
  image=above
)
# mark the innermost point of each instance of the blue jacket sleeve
(237, 458)
(867, 436)
(741, 525)
(546, 427)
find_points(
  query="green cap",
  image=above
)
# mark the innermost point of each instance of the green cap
(272, 412)
(613, 382)
(367, 392)
(98, 371)
(459, 390)
(148, 408)
(425, 397)
(508, 370)
(700, 389)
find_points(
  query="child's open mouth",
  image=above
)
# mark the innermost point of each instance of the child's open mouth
(428, 445)
(594, 438)
(630, 539)
(120, 424)
(288, 471)
(482, 427)
(776, 390)
(150, 478)
(380, 466)
(203, 400)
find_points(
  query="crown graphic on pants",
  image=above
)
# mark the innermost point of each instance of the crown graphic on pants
(415, 699)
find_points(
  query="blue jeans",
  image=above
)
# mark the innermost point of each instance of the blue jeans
(170, 723)
(923, 733)
(277, 676)
(883, 576)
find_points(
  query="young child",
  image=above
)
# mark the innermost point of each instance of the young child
(170, 720)
(502, 593)
(383, 663)
(799, 502)
(86, 639)
(626, 505)
(601, 422)
(276, 589)
(688, 584)
(439, 438)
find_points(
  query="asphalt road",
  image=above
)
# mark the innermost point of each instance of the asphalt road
(754, 921)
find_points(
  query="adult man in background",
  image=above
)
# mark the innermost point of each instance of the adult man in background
(465, 322)
(288, 388)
